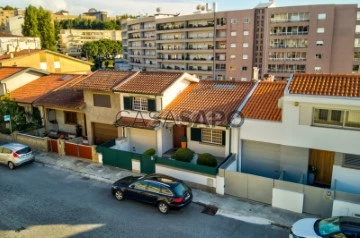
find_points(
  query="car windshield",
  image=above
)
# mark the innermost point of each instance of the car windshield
(23, 151)
(179, 189)
(328, 226)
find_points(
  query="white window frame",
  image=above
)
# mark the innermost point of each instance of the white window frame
(317, 69)
(321, 16)
(245, 45)
(233, 21)
(232, 45)
(320, 30)
(43, 66)
(140, 104)
(57, 65)
(245, 33)
(245, 56)
(233, 33)
(343, 119)
(232, 56)
(243, 79)
(246, 20)
(319, 43)
(211, 136)
(357, 29)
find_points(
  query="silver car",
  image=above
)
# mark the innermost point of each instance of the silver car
(15, 154)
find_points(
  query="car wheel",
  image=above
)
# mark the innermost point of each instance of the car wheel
(119, 195)
(11, 165)
(163, 207)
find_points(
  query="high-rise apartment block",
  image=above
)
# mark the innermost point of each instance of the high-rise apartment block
(231, 44)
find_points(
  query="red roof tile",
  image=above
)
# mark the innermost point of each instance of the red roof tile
(19, 53)
(103, 80)
(148, 82)
(40, 87)
(136, 123)
(200, 99)
(263, 103)
(341, 85)
(6, 72)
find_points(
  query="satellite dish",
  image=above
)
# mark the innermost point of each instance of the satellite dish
(158, 9)
(198, 7)
(202, 8)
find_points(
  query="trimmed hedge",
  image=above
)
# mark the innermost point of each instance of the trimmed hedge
(150, 152)
(207, 160)
(183, 154)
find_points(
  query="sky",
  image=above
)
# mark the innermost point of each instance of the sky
(143, 7)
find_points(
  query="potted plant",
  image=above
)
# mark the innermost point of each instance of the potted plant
(312, 170)
(183, 142)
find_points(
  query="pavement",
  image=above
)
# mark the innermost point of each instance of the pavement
(228, 206)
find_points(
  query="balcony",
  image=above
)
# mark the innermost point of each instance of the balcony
(289, 33)
(287, 59)
(282, 46)
(286, 70)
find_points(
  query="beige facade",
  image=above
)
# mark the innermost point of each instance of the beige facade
(16, 43)
(5, 15)
(227, 45)
(49, 61)
(72, 40)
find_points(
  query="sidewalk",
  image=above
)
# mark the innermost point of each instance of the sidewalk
(227, 206)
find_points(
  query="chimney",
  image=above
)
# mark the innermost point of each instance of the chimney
(255, 74)
(11, 55)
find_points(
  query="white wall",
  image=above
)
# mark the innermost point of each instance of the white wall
(288, 200)
(174, 91)
(345, 179)
(141, 140)
(20, 80)
(342, 208)
(165, 140)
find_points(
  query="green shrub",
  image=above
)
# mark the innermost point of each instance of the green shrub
(183, 154)
(150, 152)
(207, 160)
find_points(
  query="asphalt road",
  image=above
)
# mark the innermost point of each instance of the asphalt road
(39, 201)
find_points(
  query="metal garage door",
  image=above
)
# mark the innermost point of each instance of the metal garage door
(104, 132)
(261, 159)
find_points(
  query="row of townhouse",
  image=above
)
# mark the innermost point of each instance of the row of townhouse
(273, 129)
(227, 45)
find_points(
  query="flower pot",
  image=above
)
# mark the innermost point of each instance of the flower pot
(183, 144)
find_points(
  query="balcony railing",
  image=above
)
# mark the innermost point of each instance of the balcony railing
(164, 28)
(286, 70)
(280, 46)
(289, 33)
(287, 59)
(288, 20)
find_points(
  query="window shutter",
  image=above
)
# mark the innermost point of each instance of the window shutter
(223, 137)
(196, 134)
(151, 105)
(128, 103)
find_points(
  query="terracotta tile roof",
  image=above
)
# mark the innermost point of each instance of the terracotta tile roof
(136, 122)
(341, 85)
(263, 103)
(103, 80)
(208, 96)
(64, 97)
(40, 87)
(148, 82)
(6, 72)
(20, 53)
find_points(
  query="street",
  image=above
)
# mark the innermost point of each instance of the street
(40, 201)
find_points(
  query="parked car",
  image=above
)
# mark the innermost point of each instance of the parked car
(340, 226)
(15, 154)
(161, 190)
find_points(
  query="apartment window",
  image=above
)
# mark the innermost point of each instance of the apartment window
(233, 45)
(140, 104)
(320, 30)
(70, 117)
(246, 20)
(233, 33)
(317, 69)
(351, 161)
(328, 117)
(244, 68)
(246, 33)
(232, 56)
(102, 100)
(211, 136)
(318, 56)
(321, 16)
(356, 68)
(358, 16)
(57, 65)
(319, 43)
(233, 20)
(245, 57)
(43, 66)
(243, 79)
(221, 21)
(357, 29)
(357, 42)
(245, 45)
(232, 68)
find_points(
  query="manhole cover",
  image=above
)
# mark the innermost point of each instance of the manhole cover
(210, 210)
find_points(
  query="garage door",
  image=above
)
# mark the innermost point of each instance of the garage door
(104, 132)
(261, 158)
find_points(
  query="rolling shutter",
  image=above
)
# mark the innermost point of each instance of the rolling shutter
(128, 101)
(151, 105)
(196, 134)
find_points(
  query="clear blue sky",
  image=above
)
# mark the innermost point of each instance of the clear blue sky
(119, 7)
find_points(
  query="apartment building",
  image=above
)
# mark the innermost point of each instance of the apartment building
(72, 40)
(11, 43)
(5, 15)
(228, 45)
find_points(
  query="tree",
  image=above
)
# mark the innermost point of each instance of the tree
(17, 114)
(7, 7)
(30, 27)
(46, 29)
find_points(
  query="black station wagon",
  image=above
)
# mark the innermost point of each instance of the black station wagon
(161, 190)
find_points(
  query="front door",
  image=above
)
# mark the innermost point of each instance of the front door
(323, 161)
(178, 132)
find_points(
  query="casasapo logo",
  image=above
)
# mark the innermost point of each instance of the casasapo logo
(154, 120)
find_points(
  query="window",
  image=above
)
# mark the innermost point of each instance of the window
(244, 68)
(320, 30)
(233, 20)
(357, 42)
(351, 161)
(43, 65)
(233, 45)
(321, 16)
(357, 29)
(245, 57)
(245, 45)
(154, 187)
(246, 20)
(142, 185)
(356, 68)
(329, 117)
(317, 69)
(102, 100)
(221, 21)
(165, 191)
(232, 68)
(233, 33)
(358, 16)
(232, 56)
(70, 117)
(140, 104)
(211, 136)
(352, 119)
(318, 56)
(57, 65)
(319, 43)
(243, 79)
(246, 33)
